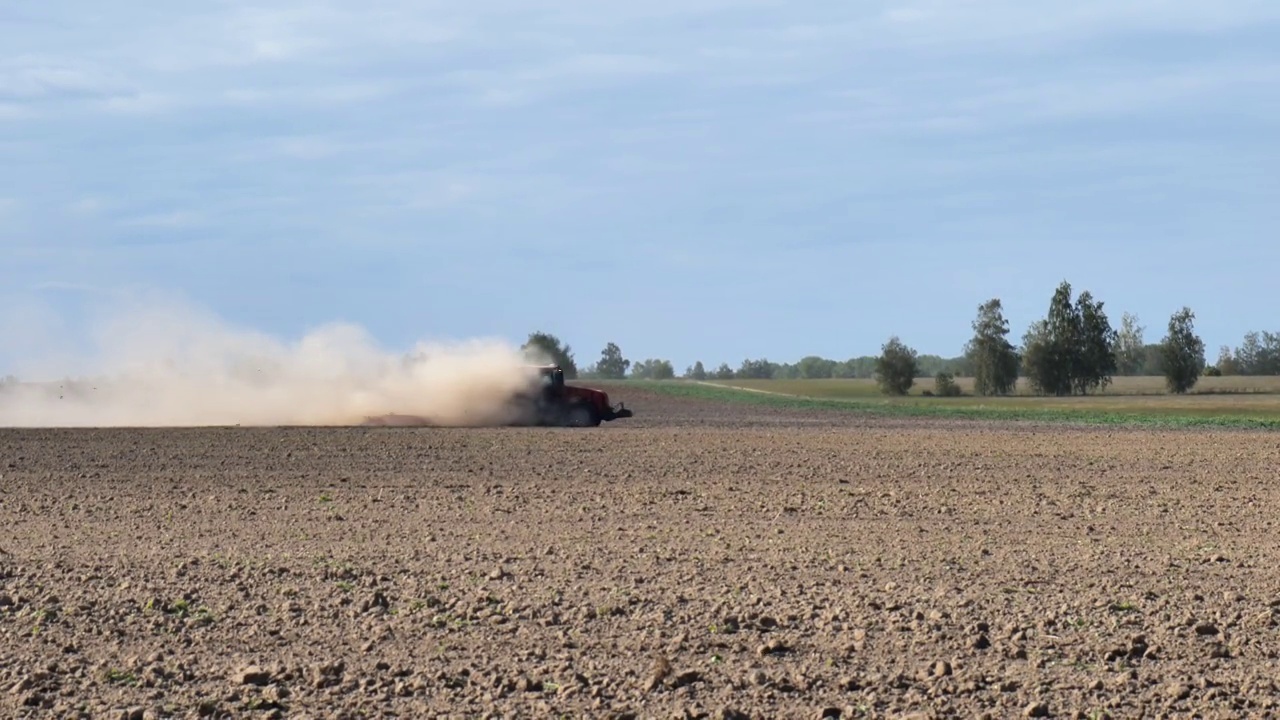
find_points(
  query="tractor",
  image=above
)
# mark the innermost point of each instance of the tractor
(555, 403)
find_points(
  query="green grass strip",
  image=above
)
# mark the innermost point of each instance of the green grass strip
(969, 407)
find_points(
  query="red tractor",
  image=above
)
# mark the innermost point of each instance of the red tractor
(556, 403)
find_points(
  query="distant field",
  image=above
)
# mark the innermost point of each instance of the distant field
(1235, 401)
(1121, 386)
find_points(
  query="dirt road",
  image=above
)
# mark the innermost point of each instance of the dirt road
(695, 561)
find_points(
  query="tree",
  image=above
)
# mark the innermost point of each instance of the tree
(1096, 362)
(724, 372)
(1227, 363)
(896, 368)
(1050, 346)
(1072, 349)
(1130, 356)
(548, 348)
(756, 369)
(991, 357)
(1249, 355)
(1183, 352)
(1152, 362)
(786, 371)
(653, 369)
(697, 372)
(1036, 363)
(944, 385)
(812, 366)
(611, 363)
(1269, 360)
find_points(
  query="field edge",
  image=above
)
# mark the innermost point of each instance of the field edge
(966, 407)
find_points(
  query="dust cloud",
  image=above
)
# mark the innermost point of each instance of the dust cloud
(172, 365)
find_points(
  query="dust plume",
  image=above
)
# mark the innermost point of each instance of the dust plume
(170, 365)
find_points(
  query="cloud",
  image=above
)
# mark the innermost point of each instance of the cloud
(944, 104)
(143, 103)
(9, 218)
(172, 220)
(1098, 16)
(445, 193)
(938, 24)
(88, 205)
(16, 111)
(318, 95)
(517, 84)
(289, 33)
(1101, 91)
(29, 77)
(68, 286)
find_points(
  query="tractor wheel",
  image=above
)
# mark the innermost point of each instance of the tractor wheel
(580, 415)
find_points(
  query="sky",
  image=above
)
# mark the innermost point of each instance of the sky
(694, 180)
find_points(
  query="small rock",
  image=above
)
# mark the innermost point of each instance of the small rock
(252, 675)
(497, 574)
(830, 714)
(527, 684)
(323, 676)
(942, 668)
(1178, 691)
(758, 678)
(687, 677)
(661, 669)
(773, 647)
(1035, 710)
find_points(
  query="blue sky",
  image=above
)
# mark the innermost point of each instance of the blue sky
(700, 179)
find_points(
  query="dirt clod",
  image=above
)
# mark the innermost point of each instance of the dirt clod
(252, 675)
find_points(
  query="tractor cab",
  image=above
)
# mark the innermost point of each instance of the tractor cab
(551, 387)
(552, 377)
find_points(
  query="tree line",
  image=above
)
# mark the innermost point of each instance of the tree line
(613, 366)
(1072, 350)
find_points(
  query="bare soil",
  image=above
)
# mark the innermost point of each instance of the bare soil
(698, 560)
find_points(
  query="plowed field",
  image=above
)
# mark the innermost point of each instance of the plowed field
(697, 560)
